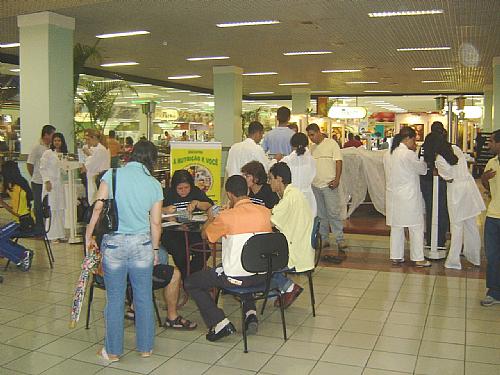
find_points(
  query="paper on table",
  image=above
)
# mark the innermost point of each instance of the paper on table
(170, 224)
(169, 215)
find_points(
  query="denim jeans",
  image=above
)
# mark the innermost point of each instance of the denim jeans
(132, 255)
(280, 281)
(492, 250)
(12, 251)
(329, 212)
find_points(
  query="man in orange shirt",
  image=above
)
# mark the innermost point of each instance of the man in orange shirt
(114, 148)
(235, 225)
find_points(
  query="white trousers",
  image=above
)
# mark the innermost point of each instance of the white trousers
(464, 233)
(416, 242)
(56, 230)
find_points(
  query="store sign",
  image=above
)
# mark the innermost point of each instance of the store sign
(471, 111)
(166, 114)
(346, 112)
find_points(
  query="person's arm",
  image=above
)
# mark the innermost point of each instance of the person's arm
(198, 205)
(214, 228)
(444, 169)
(155, 224)
(44, 170)
(102, 193)
(418, 165)
(338, 173)
(486, 177)
(265, 146)
(30, 168)
(8, 207)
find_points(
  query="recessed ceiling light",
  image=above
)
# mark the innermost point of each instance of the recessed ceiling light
(121, 34)
(9, 45)
(423, 49)
(377, 91)
(126, 63)
(433, 68)
(261, 93)
(341, 71)
(442, 90)
(361, 82)
(17, 70)
(248, 23)
(141, 85)
(293, 84)
(260, 74)
(406, 13)
(186, 76)
(301, 53)
(207, 58)
(434, 81)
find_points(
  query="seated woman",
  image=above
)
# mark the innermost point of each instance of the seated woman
(259, 190)
(184, 195)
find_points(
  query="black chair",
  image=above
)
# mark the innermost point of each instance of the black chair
(264, 254)
(98, 282)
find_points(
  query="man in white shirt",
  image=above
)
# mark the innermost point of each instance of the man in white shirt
(33, 166)
(277, 141)
(326, 153)
(249, 150)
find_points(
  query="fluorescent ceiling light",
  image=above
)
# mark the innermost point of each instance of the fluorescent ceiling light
(293, 84)
(377, 91)
(260, 74)
(207, 58)
(199, 94)
(166, 88)
(320, 92)
(248, 23)
(191, 103)
(433, 68)
(442, 90)
(300, 53)
(186, 76)
(171, 101)
(435, 81)
(178, 91)
(126, 63)
(108, 80)
(141, 85)
(423, 49)
(361, 82)
(118, 103)
(261, 93)
(17, 70)
(9, 45)
(118, 35)
(341, 71)
(406, 13)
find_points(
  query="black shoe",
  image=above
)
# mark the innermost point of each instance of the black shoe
(251, 324)
(226, 331)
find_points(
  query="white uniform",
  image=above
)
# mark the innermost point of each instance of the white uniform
(303, 170)
(50, 171)
(244, 152)
(404, 203)
(464, 205)
(98, 161)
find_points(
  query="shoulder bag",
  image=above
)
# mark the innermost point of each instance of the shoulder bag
(108, 218)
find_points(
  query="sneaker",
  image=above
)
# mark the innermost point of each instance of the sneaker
(290, 297)
(423, 264)
(226, 331)
(251, 324)
(489, 301)
(25, 264)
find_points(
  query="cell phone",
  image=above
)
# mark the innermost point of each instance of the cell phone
(215, 210)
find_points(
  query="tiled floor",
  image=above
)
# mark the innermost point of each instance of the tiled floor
(368, 322)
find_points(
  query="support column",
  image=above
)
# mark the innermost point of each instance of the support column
(46, 63)
(228, 91)
(488, 101)
(495, 108)
(301, 101)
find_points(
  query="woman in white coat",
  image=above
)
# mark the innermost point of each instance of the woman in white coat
(97, 161)
(53, 186)
(464, 205)
(404, 202)
(303, 168)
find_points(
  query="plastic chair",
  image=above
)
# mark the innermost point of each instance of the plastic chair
(262, 253)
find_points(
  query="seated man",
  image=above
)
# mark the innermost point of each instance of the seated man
(235, 225)
(293, 217)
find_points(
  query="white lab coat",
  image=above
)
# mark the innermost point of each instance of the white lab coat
(244, 152)
(50, 170)
(303, 170)
(464, 205)
(404, 202)
(98, 161)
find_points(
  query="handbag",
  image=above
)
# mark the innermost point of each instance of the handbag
(26, 223)
(108, 218)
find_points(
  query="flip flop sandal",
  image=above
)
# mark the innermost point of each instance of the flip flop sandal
(180, 323)
(104, 355)
(130, 315)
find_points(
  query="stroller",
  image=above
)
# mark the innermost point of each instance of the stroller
(11, 250)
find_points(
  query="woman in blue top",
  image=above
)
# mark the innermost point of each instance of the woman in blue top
(131, 250)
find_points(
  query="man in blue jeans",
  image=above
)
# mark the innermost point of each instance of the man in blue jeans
(491, 181)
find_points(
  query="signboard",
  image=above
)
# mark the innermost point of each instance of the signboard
(203, 160)
(342, 112)
(166, 114)
(322, 106)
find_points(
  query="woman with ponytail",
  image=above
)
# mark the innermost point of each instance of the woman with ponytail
(404, 206)
(98, 160)
(303, 168)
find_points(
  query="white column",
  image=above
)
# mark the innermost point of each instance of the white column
(301, 101)
(228, 90)
(488, 101)
(46, 63)
(495, 108)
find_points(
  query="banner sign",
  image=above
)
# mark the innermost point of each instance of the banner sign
(203, 160)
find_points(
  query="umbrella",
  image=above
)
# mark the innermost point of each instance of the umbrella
(89, 264)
